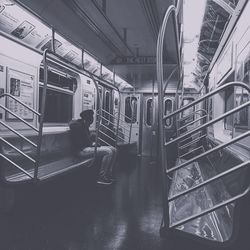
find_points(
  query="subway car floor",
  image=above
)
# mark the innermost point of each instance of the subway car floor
(74, 213)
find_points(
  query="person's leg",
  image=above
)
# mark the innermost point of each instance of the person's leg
(87, 152)
(107, 155)
(112, 162)
(107, 159)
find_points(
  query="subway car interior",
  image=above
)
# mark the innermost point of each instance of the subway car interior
(168, 84)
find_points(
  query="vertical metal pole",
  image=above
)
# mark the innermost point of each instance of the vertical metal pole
(118, 117)
(162, 148)
(82, 58)
(131, 118)
(153, 118)
(53, 41)
(43, 105)
(98, 115)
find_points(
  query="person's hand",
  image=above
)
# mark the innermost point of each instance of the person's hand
(95, 144)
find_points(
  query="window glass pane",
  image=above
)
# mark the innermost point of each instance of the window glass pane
(168, 107)
(58, 108)
(130, 109)
(229, 104)
(149, 114)
(241, 95)
(59, 80)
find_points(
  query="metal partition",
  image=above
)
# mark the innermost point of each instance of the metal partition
(204, 124)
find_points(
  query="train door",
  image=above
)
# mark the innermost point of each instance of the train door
(130, 116)
(149, 125)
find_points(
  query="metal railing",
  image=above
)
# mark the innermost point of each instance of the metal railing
(40, 116)
(7, 95)
(113, 123)
(203, 154)
(204, 124)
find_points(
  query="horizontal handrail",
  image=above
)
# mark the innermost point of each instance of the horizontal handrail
(193, 150)
(103, 110)
(209, 123)
(192, 142)
(122, 139)
(212, 179)
(191, 137)
(17, 133)
(222, 204)
(192, 122)
(114, 123)
(102, 125)
(121, 114)
(125, 116)
(107, 135)
(19, 118)
(25, 105)
(217, 90)
(196, 112)
(17, 149)
(223, 145)
(102, 117)
(105, 142)
(16, 165)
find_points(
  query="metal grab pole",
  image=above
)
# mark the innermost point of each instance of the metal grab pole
(132, 117)
(44, 93)
(159, 67)
(98, 116)
(118, 120)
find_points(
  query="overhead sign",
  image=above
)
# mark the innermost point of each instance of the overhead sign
(134, 60)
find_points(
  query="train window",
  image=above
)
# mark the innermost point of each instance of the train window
(149, 112)
(229, 104)
(59, 100)
(58, 107)
(59, 80)
(241, 95)
(130, 109)
(168, 108)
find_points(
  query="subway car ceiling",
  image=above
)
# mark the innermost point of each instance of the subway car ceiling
(116, 32)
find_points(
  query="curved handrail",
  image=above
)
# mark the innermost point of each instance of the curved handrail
(159, 70)
(196, 112)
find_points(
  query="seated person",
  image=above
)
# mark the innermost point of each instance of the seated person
(84, 146)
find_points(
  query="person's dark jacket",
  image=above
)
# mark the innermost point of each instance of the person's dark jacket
(80, 135)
